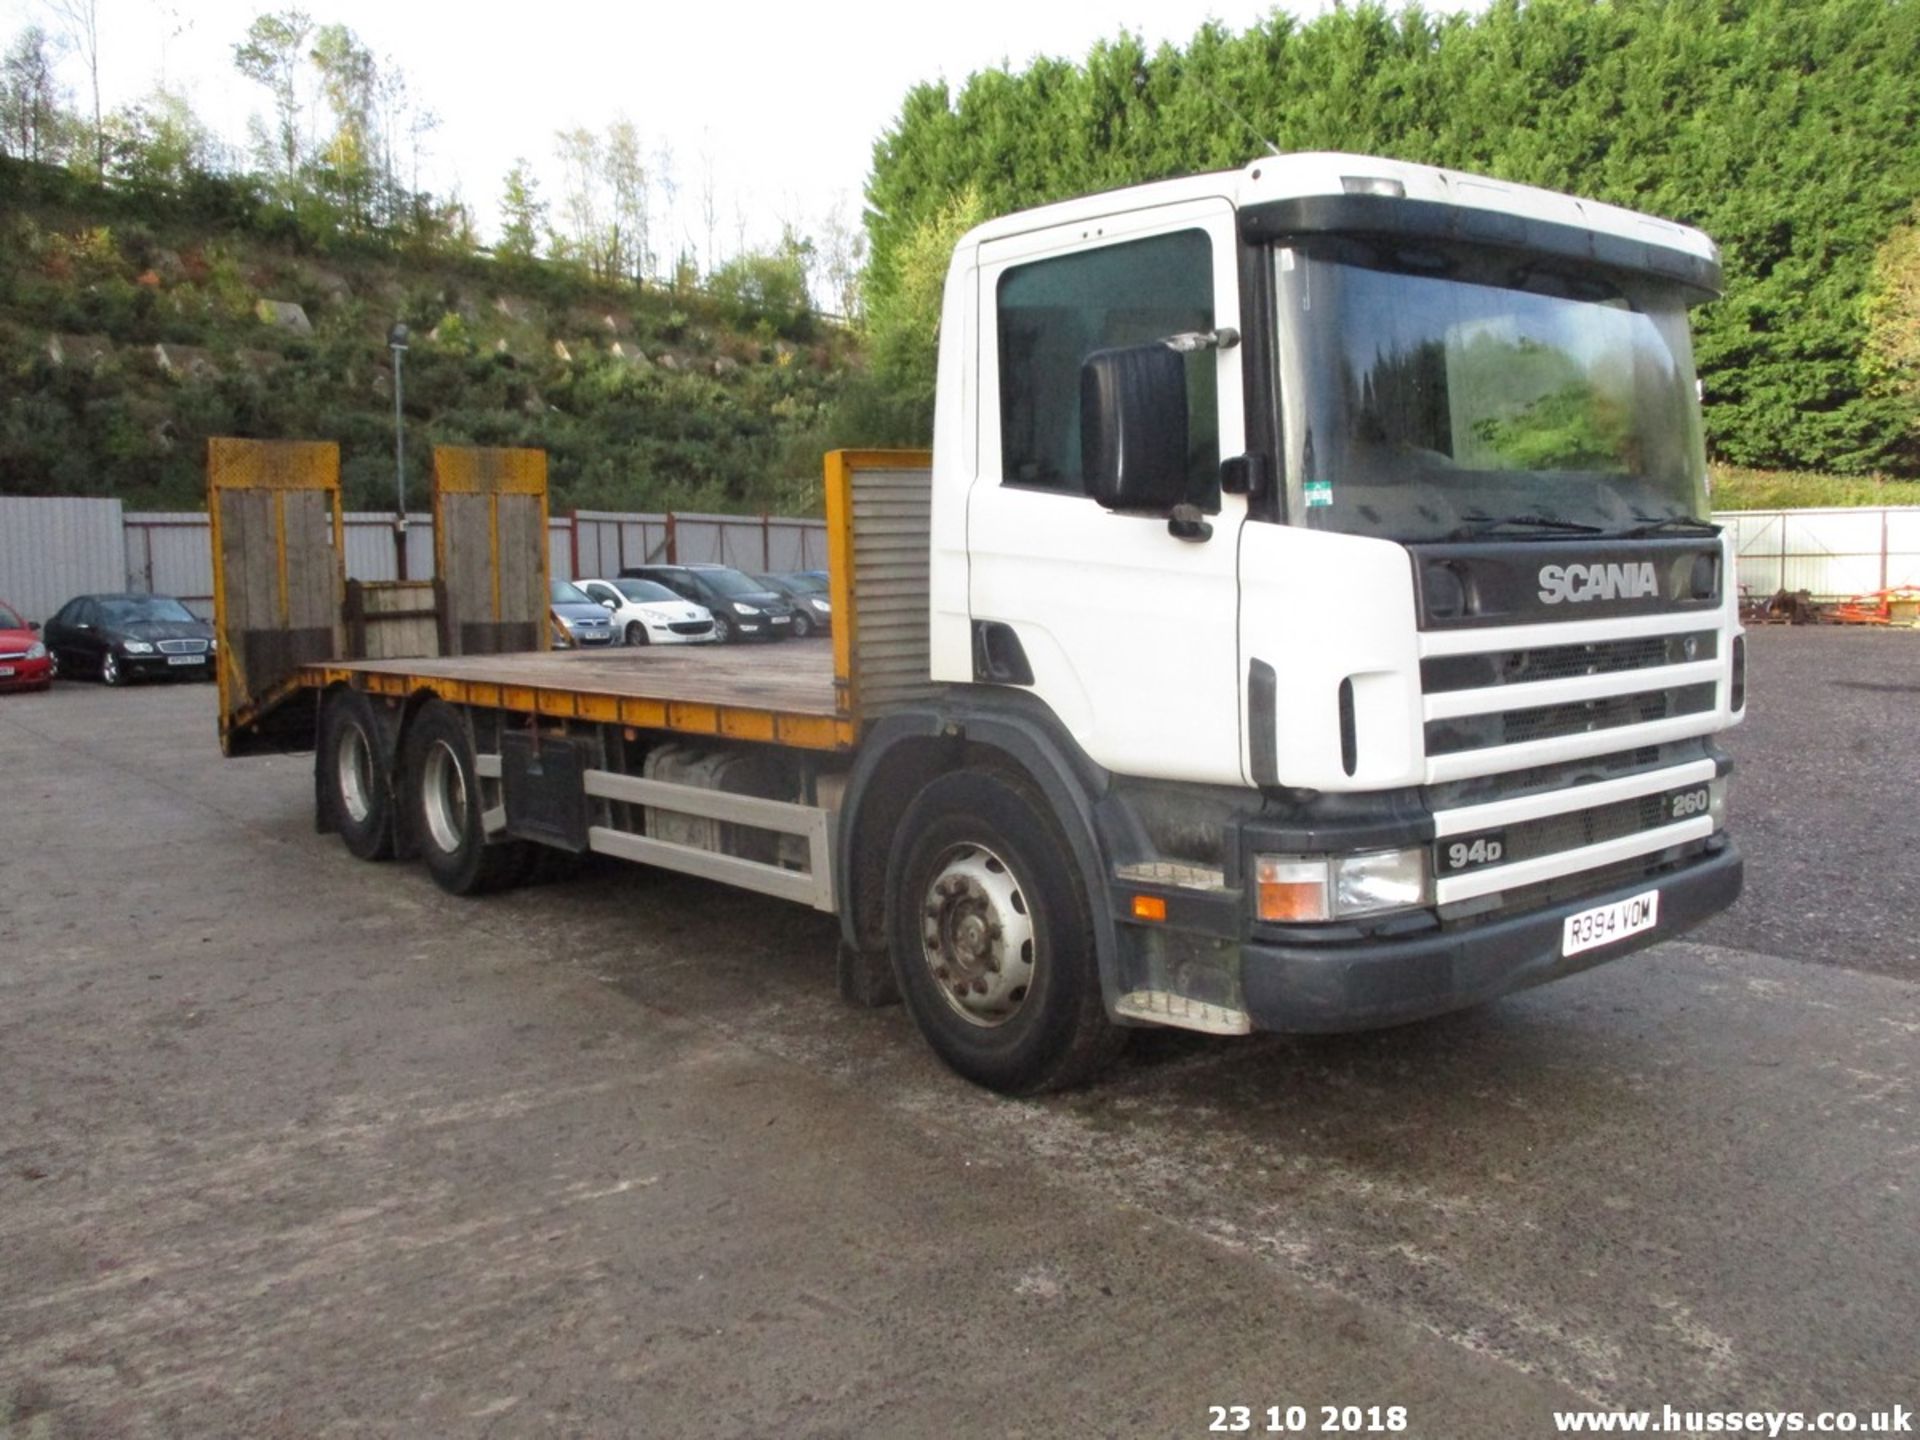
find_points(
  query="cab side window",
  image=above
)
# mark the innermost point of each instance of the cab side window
(1052, 314)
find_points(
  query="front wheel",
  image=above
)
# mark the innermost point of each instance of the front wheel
(110, 671)
(802, 626)
(722, 631)
(636, 633)
(992, 939)
(446, 804)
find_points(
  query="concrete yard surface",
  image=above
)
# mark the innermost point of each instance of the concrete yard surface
(291, 1145)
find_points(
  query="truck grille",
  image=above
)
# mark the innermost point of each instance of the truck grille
(1582, 717)
(1442, 673)
(1554, 833)
(1563, 888)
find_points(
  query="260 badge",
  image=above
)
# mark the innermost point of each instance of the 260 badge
(1307, 1419)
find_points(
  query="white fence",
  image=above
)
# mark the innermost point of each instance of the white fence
(1831, 553)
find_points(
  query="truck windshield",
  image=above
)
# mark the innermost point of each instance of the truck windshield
(1427, 393)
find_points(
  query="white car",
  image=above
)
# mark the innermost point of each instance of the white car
(646, 613)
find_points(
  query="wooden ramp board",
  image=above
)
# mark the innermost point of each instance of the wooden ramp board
(783, 691)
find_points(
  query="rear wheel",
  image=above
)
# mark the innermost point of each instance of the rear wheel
(992, 938)
(353, 781)
(446, 807)
(636, 633)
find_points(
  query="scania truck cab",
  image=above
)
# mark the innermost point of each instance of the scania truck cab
(1343, 525)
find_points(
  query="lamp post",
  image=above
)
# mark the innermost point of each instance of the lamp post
(397, 343)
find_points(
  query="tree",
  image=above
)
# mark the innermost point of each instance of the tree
(80, 19)
(349, 82)
(523, 213)
(584, 242)
(159, 143)
(29, 98)
(629, 240)
(1892, 358)
(843, 247)
(271, 56)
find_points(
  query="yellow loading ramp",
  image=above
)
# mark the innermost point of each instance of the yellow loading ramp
(490, 549)
(278, 579)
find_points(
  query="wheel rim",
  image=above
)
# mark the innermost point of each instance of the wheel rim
(802, 627)
(720, 630)
(110, 669)
(443, 790)
(354, 767)
(976, 935)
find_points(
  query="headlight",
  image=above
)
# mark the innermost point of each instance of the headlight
(1292, 888)
(740, 609)
(1717, 803)
(825, 607)
(136, 647)
(36, 651)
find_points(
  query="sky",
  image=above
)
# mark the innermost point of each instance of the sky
(781, 103)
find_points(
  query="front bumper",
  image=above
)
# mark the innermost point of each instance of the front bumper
(152, 667)
(25, 674)
(1368, 984)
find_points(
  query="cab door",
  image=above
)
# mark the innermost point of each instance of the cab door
(1126, 630)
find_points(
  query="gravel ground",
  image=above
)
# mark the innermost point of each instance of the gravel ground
(296, 1146)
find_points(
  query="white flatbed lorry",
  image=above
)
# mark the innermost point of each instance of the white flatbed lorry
(1308, 619)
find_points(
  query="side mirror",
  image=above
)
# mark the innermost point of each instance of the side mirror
(611, 604)
(1133, 427)
(33, 625)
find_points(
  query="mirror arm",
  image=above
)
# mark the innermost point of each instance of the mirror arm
(1186, 522)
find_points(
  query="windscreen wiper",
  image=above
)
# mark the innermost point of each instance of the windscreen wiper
(1669, 524)
(1479, 525)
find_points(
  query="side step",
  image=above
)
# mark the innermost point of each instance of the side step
(1163, 1007)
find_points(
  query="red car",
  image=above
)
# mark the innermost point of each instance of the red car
(24, 661)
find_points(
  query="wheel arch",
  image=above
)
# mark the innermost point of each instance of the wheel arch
(908, 749)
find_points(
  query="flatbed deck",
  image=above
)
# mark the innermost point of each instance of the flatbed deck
(785, 691)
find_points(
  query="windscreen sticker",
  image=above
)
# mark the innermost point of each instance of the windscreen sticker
(1319, 492)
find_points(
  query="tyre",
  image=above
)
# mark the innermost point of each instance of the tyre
(445, 804)
(637, 633)
(110, 671)
(722, 631)
(992, 940)
(353, 785)
(802, 626)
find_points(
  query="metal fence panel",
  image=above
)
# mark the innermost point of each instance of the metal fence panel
(1831, 553)
(169, 553)
(560, 549)
(54, 549)
(370, 550)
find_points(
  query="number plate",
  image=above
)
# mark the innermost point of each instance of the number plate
(186, 659)
(1604, 924)
(782, 619)
(6, 670)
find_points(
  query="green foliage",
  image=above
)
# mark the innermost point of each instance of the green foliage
(1787, 129)
(1892, 314)
(768, 290)
(1738, 488)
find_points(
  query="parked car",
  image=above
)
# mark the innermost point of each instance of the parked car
(127, 637)
(742, 608)
(25, 663)
(645, 612)
(811, 609)
(578, 619)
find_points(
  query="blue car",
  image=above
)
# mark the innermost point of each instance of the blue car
(578, 619)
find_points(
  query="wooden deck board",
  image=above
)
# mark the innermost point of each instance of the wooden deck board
(705, 688)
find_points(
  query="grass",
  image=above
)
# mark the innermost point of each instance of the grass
(1735, 488)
